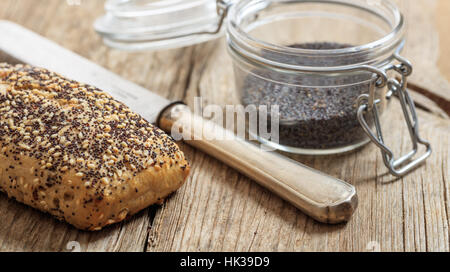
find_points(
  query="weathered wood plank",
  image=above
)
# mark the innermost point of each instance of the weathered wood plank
(442, 24)
(229, 212)
(393, 215)
(71, 26)
(218, 209)
(427, 48)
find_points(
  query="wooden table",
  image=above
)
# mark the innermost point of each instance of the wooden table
(220, 210)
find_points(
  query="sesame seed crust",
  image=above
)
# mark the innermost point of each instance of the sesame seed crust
(72, 150)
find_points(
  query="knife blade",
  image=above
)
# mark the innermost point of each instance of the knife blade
(323, 197)
(28, 47)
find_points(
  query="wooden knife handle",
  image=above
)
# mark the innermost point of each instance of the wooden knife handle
(322, 197)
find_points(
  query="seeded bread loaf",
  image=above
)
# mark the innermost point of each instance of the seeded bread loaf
(71, 150)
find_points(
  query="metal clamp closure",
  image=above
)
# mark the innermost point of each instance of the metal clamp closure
(222, 7)
(368, 103)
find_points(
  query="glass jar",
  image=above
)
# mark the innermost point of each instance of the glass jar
(328, 66)
(316, 74)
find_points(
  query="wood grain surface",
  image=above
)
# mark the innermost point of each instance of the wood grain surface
(220, 210)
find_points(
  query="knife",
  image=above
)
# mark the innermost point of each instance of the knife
(320, 196)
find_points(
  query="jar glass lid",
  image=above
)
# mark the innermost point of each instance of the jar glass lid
(158, 24)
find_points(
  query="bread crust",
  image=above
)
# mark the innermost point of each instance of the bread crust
(71, 150)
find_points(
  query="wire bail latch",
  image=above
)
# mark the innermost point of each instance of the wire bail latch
(367, 103)
(222, 7)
